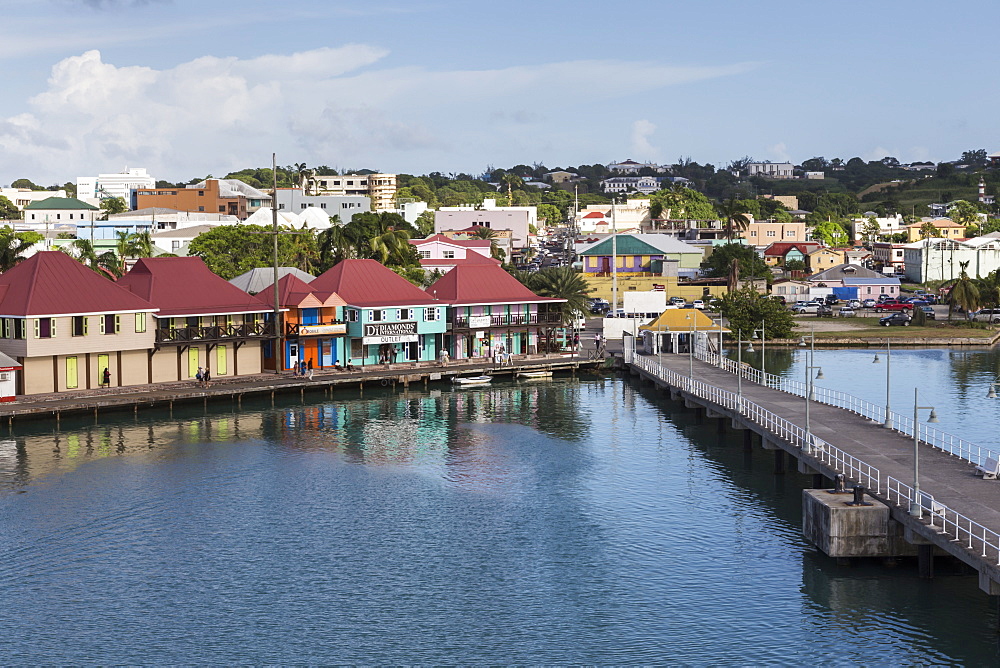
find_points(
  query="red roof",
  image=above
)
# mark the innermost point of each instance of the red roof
(185, 286)
(369, 283)
(594, 214)
(53, 283)
(293, 291)
(781, 248)
(483, 284)
(465, 243)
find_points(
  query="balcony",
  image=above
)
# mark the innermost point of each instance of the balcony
(511, 320)
(214, 333)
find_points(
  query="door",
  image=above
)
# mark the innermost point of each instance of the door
(293, 355)
(221, 357)
(72, 379)
(194, 361)
(103, 362)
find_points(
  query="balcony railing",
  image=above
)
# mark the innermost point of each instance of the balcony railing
(260, 330)
(513, 319)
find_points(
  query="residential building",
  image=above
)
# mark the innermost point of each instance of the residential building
(489, 308)
(22, 197)
(508, 222)
(561, 177)
(388, 318)
(312, 325)
(202, 320)
(292, 200)
(177, 242)
(440, 253)
(823, 258)
(946, 229)
(790, 201)
(639, 184)
(814, 175)
(859, 255)
(123, 185)
(888, 255)
(380, 189)
(58, 213)
(869, 283)
(638, 254)
(886, 225)
(938, 259)
(781, 252)
(228, 196)
(8, 378)
(66, 324)
(631, 216)
(762, 233)
(771, 170)
(791, 290)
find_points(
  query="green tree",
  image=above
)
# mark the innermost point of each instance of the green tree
(26, 183)
(550, 214)
(734, 217)
(795, 265)
(113, 205)
(745, 309)
(7, 210)
(230, 250)
(965, 213)
(561, 283)
(12, 247)
(870, 232)
(425, 224)
(83, 251)
(830, 232)
(974, 157)
(965, 292)
(751, 264)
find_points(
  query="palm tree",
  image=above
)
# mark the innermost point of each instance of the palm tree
(11, 248)
(392, 247)
(562, 283)
(83, 251)
(734, 216)
(335, 244)
(989, 289)
(964, 293)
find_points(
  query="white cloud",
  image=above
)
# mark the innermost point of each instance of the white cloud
(642, 130)
(779, 153)
(323, 106)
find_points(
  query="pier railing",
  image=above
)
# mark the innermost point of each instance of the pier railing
(942, 440)
(975, 537)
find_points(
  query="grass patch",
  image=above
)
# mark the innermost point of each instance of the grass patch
(939, 330)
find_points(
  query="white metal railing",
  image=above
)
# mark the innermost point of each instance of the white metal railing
(954, 445)
(962, 529)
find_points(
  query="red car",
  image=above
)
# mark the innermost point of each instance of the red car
(893, 305)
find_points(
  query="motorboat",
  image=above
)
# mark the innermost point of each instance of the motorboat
(471, 380)
(534, 374)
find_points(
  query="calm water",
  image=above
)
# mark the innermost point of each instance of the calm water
(571, 521)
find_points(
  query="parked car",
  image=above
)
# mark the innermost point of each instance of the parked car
(824, 311)
(895, 319)
(853, 304)
(677, 301)
(778, 298)
(805, 307)
(847, 312)
(990, 315)
(892, 305)
(698, 303)
(598, 305)
(831, 300)
(929, 312)
(869, 303)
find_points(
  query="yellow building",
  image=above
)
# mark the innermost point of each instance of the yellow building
(946, 229)
(824, 258)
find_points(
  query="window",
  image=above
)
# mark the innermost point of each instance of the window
(431, 313)
(352, 315)
(222, 209)
(425, 255)
(79, 325)
(790, 233)
(376, 315)
(175, 245)
(201, 193)
(448, 254)
(20, 329)
(45, 328)
(322, 205)
(110, 324)
(753, 233)
(771, 233)
(405, 314)
(140, 323)
(201, 208)
(302, 207)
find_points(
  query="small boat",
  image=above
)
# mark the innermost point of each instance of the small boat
(534, 374)
(471, 380)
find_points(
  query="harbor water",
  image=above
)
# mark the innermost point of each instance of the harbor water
(575, 520)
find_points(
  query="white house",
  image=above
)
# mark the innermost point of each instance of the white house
(771, 170)
(123, 184)
(22, 197)
(886, 225)
(58, 213)
(939, 259)
(440, 253)
(641, 184)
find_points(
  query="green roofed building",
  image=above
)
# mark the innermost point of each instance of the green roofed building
(640, 254)
(57, 211)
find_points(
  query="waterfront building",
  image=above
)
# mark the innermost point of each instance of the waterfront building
(490, 308)
(312, 325)
(66, 325)
(639, 254)
(202, 320)
(8, 378)
(388, 318)
(870, 283)
(937, 259)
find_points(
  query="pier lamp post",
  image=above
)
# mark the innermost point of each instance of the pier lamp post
(888, 361)
(690, 345)
(810, 358)
(763, 371)
(915, 509)
(739, 368)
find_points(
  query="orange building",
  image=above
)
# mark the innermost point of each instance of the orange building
(210, 199)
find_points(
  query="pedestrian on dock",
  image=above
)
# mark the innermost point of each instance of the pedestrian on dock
(310, 366)
(200, 375)
(106, 378)
(206, 377)
(444, 357)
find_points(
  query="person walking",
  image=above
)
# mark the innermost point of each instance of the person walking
(444, 357)
(310, 367)
(199, 375)
(206, 377)
(106, 378)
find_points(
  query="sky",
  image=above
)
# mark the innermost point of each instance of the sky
(186, 89)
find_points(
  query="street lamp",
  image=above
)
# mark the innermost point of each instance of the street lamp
(888, 360)
(690, 345)
(739, 368)
(763, 370)
(810, 358)
(915, 509)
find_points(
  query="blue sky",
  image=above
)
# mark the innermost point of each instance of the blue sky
(189, 88)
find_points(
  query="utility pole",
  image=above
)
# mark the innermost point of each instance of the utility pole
(278, 352)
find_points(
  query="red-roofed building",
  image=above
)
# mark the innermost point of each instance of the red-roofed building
(65, 325)
(203, 320)
(439, 253)
(312, 323)
(489, 309)
(780, 252)
(388, 318)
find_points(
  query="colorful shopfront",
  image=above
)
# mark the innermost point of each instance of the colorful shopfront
(490, 309)
(388, 319)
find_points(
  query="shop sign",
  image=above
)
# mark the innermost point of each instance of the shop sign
(377, 333)
(319, 330)
(476, 321)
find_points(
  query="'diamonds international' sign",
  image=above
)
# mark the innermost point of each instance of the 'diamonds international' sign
(389, 332)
